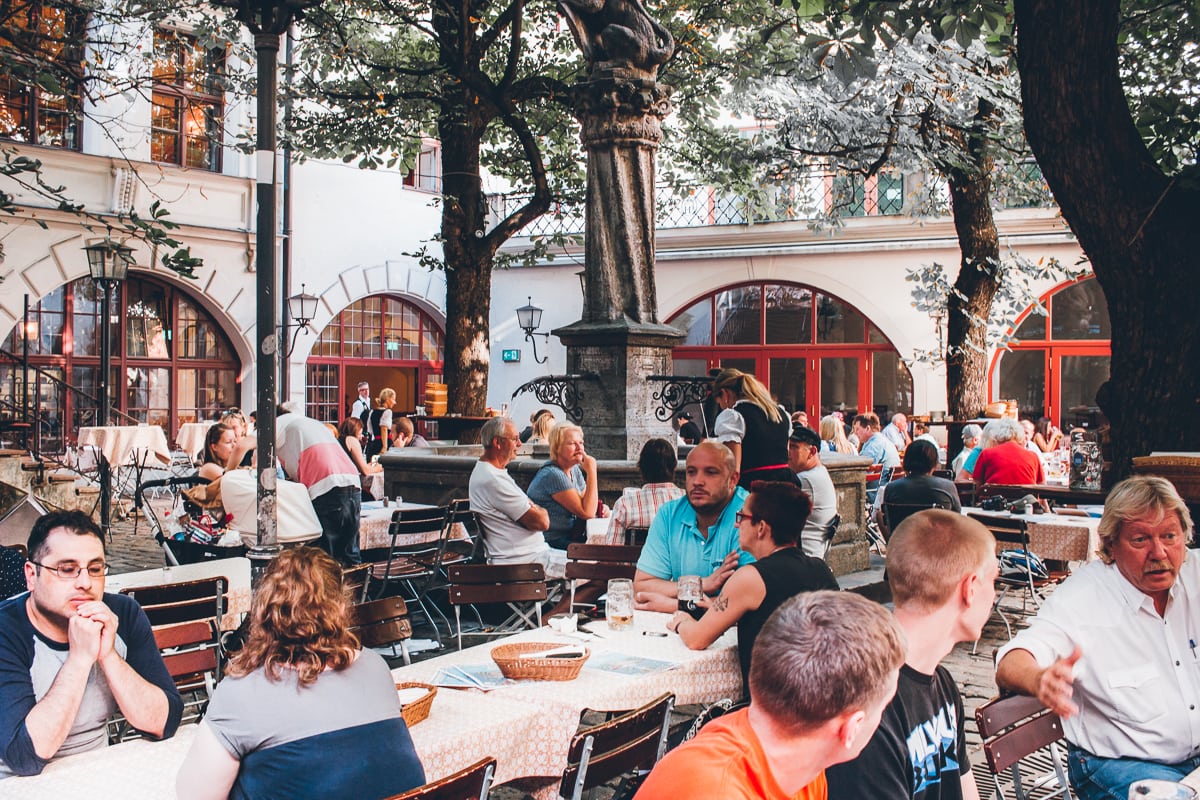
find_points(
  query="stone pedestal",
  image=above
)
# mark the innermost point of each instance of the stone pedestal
(618, 415)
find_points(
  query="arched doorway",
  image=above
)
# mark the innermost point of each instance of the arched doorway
(813, 350)
(386, 340)
(171, 362)
(1059, 360)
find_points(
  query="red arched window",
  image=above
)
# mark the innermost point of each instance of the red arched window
(1060, 358)
(383, 339)
(813, 350)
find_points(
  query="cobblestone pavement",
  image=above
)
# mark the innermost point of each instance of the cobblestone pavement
(132, 550)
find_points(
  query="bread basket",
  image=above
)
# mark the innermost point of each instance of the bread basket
(513, 663)
(417, 710)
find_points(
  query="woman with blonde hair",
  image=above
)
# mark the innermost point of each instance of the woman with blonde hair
(833, 437)
(567, 487)
(381, 422)
(543, 423)
(299, 697)
(753, 426)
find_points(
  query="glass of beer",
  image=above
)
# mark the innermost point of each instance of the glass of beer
(1160, 790)
(618, 606)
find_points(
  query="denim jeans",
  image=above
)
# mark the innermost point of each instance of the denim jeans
(1096, 778)
(338, 510)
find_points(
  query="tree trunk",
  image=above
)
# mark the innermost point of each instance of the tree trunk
(1137, 225)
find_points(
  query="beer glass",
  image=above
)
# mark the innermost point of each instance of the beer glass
(1160, 790)
(618, 606)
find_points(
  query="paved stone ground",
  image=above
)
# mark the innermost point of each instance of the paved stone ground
(131, 551)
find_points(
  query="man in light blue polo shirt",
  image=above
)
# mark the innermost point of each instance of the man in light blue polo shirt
(872, 443)
(695, 534)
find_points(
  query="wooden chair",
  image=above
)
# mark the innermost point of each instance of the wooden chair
(412, 566)
(633, 741)
(204, 600)
(498, 583)
(356, 581)
(192, 654)
(461, 551)
(1020, 741)
(599, 562)
(380, 623)
(471, 783)
(635, 535)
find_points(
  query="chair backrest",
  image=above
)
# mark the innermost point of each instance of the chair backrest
(471, 783)
(191, 648)
(495, 583)
(634, 740)
(895, 513)
(601, 562)
(381, 622)
(355, 582)
(635, 535)
(20, 548)
(1013, 728)
(188, 601)
(1007, 530)
(874, 473)
(459, 512)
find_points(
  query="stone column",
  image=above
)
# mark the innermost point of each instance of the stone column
(620, 109)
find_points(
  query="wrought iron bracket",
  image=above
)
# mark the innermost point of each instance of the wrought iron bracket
(679, 391)
(559, 390)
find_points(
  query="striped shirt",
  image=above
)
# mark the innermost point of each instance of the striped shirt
(636, 508)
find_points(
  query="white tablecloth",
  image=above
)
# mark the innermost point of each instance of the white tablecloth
(297, 521)
(702, 676)
(1055, 536)
(236, 572)
(127, 443)
(191, 437)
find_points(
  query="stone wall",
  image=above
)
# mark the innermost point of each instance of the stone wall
(422, 475)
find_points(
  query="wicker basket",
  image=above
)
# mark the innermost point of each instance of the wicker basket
(417, 710)
(1183, 471)
(508, 658)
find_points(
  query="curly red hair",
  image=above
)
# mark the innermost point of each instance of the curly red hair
(299, 619)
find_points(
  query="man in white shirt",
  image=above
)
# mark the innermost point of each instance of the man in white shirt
(804, 457)
(897, 431)
(1113, 650)
(513, 525)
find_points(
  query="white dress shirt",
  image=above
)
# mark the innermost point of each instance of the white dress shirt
(1137, 685)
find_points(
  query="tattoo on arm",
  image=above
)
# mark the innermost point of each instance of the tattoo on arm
(721, 603)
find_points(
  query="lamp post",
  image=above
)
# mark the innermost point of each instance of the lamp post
(267, 20)
(108, 263)
(301, 308)
(529, 318)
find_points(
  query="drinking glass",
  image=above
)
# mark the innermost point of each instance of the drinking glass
(618, 607)
(1160, 790)
(689, 589)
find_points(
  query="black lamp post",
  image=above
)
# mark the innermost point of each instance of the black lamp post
(529, 318)
(301, 308)
(267, 20)
(108, 263)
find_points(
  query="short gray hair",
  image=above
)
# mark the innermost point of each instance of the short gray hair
(1134, 497)
(1005, 429)
(822, 654)
(493, 429)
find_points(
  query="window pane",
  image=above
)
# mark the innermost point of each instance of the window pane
(738, 314)
(1080, 312)
(146, 316)
(1081, 377)
(848, 196)
(839, 386)
(147, 395)
(837, 322)
(696, 323)
(1032, 328)
(198, 334)
(1023, 378)
(86, 319)
(789, 315)
(890, 190)
(321, 392)
(788, 379)
(164, 129)
(891, 385)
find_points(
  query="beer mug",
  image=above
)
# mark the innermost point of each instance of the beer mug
(618, 605)
(1160, 790)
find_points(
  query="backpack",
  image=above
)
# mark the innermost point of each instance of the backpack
(1017, 563)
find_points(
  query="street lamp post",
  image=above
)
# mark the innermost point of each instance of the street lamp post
(108, 263)
(267, 20)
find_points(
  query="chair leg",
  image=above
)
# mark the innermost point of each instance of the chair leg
(404, 652)
(458, 624)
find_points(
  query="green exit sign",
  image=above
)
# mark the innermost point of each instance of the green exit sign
(511, 356)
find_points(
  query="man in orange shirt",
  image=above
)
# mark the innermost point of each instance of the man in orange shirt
(823, 669)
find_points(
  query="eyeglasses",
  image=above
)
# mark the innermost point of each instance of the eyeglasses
(231, 412)
(71, 570)
(740, 516)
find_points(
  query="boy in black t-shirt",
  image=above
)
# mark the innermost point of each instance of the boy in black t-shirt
(942, 568)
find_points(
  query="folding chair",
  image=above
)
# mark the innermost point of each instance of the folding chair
(460, 516)
(895, 513)
(356, 581)
(599, 562)
(414, 565)
(204, 600)
(633, 741)
(635, 536)
(831, 530)
(1020, 737)
(192, 654)
(470, 783)
(380, 623)
(499, 583)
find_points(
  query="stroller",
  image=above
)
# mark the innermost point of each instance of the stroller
(179, 547)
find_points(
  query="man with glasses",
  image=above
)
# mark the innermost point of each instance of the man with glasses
(71, 655)
(1113, 650)
(513, 525)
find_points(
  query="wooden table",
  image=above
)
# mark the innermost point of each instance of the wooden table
(236, 572)
(1054, 536)
(702, 676)
(1056, 494)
